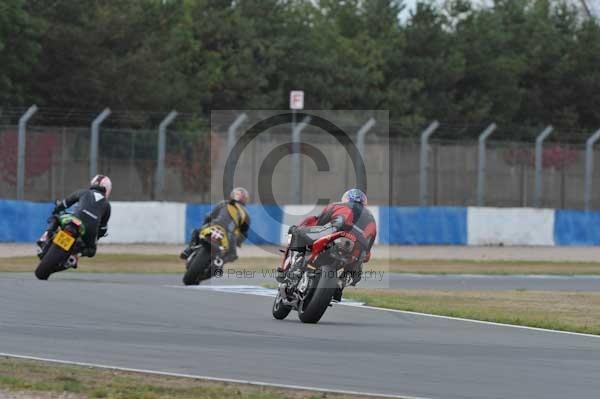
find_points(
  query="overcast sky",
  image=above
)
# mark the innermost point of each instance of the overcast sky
(594, 5)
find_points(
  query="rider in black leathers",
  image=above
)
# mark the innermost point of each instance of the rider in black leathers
(233, 217)
(91, 206)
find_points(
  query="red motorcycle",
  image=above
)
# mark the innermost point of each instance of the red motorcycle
(318, 263)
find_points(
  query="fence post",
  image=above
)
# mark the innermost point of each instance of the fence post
(231, 131)
(296, 164)
(94, 141)
(424, 162)
(589, 168)
(21, 150)
(538, 164)
(362, 133)
(481, 161)
(162, 150)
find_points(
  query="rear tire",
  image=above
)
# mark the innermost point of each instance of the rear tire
(51, 262)
(280, 311)
(320, 299)
(197, 270)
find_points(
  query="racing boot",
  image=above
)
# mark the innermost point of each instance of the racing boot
(42, 240)
(337, 295)
(195, 240)
(185, 253)
(290, 265)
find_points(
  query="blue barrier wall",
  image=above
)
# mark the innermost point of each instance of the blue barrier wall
(265, 226)
(194, 216)
(265, 223)
(423, 225)
(576, 228)
(23, 221)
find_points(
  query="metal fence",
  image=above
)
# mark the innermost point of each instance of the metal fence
(181, 165)
(57, 162)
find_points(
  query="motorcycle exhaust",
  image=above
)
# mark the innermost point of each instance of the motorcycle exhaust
(71, 262)
(218, 262)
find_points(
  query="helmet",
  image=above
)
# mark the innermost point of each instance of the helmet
(103, 182)
(240, 194)
(355, 195)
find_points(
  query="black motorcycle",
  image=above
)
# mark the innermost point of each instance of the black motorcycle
(318, 264)
(59, 249)
(208, 255)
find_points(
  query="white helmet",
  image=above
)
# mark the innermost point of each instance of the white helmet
(240, 194)
(103, 182)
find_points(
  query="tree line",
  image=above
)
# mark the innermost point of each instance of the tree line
(517, 62)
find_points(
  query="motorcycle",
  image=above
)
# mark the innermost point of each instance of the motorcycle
(317, 263)
(59, 250)
(208, 255)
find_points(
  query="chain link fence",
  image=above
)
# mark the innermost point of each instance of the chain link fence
(509, 174)
(57, 162)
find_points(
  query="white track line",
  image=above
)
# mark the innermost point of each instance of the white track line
(216, 379)
(489, 323)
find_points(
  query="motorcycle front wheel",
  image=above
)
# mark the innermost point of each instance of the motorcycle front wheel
(280, 311)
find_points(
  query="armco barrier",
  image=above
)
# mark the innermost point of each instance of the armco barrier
(165, 222)
(510, 226)
(423, 225)
(576, 228)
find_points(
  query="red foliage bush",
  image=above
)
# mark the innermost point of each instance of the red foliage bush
(38, 154)
(557, 157)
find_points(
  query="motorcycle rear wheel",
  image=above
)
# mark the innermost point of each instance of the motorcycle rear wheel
(316, 303)
(198, 267)
(51, 262)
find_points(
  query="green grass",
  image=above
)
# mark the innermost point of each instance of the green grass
(565, 311)
(18, 375)
(144, 263)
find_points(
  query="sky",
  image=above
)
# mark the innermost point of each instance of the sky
(594, 6)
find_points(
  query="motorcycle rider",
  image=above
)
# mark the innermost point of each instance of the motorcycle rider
(91, 206)
(348, 214)
(233, 217)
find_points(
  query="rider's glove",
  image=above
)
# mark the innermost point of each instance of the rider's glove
(102, 232)
(59, 206)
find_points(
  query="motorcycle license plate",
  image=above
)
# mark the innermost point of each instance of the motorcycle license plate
(63, 240)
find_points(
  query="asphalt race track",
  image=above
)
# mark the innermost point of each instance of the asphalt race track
(447, 282)
(159, 327)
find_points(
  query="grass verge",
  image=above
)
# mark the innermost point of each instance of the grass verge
(17, 375)
(143, 263)
(565, 311)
